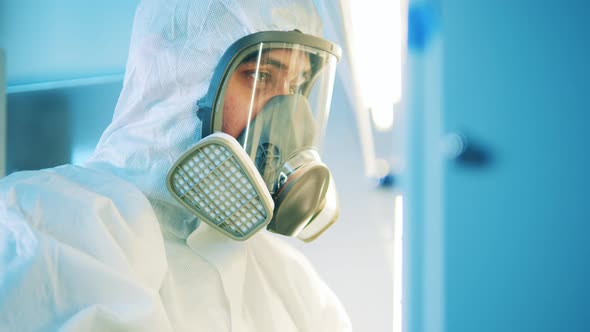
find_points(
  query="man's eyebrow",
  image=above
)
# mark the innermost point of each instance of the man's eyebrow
(267, 61)
(275, 63)
(280, 65)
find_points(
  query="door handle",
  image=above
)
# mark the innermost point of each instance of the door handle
(465, 151)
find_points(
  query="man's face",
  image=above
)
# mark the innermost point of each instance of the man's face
(279, 72)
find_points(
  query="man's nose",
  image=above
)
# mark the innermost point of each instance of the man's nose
(285, 88)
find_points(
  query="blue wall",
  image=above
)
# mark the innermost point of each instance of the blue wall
(57, 40)
(65, 62)
(516, 80)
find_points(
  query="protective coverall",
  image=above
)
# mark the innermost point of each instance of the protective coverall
(103, 246)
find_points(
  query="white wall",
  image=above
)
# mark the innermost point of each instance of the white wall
(355, 256)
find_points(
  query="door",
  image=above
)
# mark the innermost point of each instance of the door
(498, 220)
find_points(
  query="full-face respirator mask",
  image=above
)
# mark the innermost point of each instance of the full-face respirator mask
(258, 164)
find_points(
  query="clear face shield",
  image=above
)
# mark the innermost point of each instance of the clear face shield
(271, 94)
(276, 104)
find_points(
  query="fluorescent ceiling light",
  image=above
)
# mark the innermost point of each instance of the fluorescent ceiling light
(376, 45)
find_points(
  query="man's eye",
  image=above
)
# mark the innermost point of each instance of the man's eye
(260, 76)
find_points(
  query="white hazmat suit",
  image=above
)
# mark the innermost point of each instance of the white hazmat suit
(104, 247)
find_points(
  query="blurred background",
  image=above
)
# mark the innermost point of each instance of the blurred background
(457, 139)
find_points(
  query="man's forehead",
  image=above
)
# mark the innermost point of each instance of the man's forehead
(287, 59)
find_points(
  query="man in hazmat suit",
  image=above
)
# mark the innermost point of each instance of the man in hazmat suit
(122, 243)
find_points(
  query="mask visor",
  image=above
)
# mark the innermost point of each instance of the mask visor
(275, 101)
